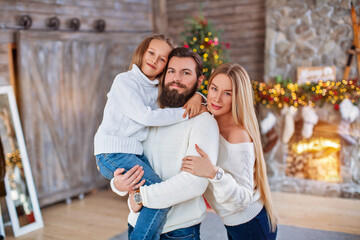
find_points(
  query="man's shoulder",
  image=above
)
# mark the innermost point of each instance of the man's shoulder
(205, 119)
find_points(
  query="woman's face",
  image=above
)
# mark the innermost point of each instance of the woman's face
(219, 96)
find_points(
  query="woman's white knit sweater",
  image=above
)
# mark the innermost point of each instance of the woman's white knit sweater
(131, 107)
(234, 197)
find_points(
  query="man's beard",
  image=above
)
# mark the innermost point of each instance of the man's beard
(171, 98)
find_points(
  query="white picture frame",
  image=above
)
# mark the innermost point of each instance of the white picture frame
(27, 197)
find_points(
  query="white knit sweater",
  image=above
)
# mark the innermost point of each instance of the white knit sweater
(165, 148)
(233, 197)
(130, 108)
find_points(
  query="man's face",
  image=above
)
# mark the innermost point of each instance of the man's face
(180, 82)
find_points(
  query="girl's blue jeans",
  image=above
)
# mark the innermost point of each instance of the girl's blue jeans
(150, 221)
(256, 229)
(189, 233)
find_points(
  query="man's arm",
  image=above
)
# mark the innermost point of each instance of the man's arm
(185, 186)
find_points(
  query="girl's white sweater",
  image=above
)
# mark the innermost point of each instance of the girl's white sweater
(130, 109)
(234, 197)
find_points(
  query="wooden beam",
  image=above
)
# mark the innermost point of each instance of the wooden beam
(12, 72)
(160, 24)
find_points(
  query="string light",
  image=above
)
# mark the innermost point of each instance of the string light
(309, 94)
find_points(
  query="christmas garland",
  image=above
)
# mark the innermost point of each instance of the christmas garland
(288, 94)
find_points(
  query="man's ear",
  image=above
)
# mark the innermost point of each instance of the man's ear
(200, 80)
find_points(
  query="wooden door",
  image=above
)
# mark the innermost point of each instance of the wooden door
(63, 82)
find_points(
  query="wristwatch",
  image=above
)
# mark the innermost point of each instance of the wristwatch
(218, 175)
(137, 197)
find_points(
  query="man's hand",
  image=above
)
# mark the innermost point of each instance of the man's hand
(134, 206)
(130, 180)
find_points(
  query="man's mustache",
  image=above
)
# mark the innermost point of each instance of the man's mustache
(176, 83)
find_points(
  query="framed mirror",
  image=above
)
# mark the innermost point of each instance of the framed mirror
(21, 199)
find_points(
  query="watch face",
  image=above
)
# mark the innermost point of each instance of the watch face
(137, 198)
(219, 175)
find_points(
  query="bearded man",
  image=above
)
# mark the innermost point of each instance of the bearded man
(165, 148)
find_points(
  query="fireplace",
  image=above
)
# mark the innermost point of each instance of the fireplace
(326, 164)
(317, 158)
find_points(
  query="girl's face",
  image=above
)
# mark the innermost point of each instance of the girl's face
(219, 98)
(155, 58)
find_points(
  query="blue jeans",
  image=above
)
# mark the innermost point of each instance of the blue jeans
(256, 229)
(150, 221)
(189, 233)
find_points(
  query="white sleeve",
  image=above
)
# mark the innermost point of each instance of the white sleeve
(114, 189)
(203, 97)
(185, 186)
(129, 101)
(234, 191)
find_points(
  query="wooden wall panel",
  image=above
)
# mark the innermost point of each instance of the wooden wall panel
(120, 15)
(242, 22)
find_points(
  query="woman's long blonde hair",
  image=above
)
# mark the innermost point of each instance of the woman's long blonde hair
(143, 46)
(243, 112)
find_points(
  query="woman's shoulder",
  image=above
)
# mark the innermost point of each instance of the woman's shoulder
(238, 134)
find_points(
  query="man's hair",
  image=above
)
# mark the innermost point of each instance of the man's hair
(171, 99)
(183, 52)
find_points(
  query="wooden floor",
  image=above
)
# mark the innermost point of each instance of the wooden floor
(103, 214)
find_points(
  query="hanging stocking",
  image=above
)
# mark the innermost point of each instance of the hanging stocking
(289, 126)
(310, 118)
(267, 128)
(349, 113)
(267, 123)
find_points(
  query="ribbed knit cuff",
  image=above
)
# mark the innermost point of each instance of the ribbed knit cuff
(114, 189)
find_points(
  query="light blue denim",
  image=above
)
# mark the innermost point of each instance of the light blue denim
(150, 221)
(189, 233)
(256, 229)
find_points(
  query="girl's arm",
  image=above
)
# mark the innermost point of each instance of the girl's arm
(234, 190)
(195, 105)
(128, 100)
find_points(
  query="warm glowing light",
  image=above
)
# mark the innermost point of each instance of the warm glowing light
(316, 144)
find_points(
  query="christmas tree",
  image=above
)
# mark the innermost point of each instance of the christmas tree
(204, 39)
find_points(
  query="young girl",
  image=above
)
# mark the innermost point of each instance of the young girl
(130, 109)
(238, 189)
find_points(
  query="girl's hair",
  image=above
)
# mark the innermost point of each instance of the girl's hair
(243, 112)
(143, 46)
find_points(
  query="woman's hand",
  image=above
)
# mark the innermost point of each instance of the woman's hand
(193, 106)
(199, 166)
(130, 180)
(134, 206)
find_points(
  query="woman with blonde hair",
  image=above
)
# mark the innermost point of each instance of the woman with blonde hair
(238, 191)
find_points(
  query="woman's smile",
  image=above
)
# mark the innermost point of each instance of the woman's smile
(215, 107)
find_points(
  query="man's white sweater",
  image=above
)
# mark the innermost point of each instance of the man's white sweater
(234, 197)
(165, 148)
(131, 107)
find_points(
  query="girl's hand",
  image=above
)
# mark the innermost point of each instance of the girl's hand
(199, 166)
(130, 180)
(193, 106)
(134, 206)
